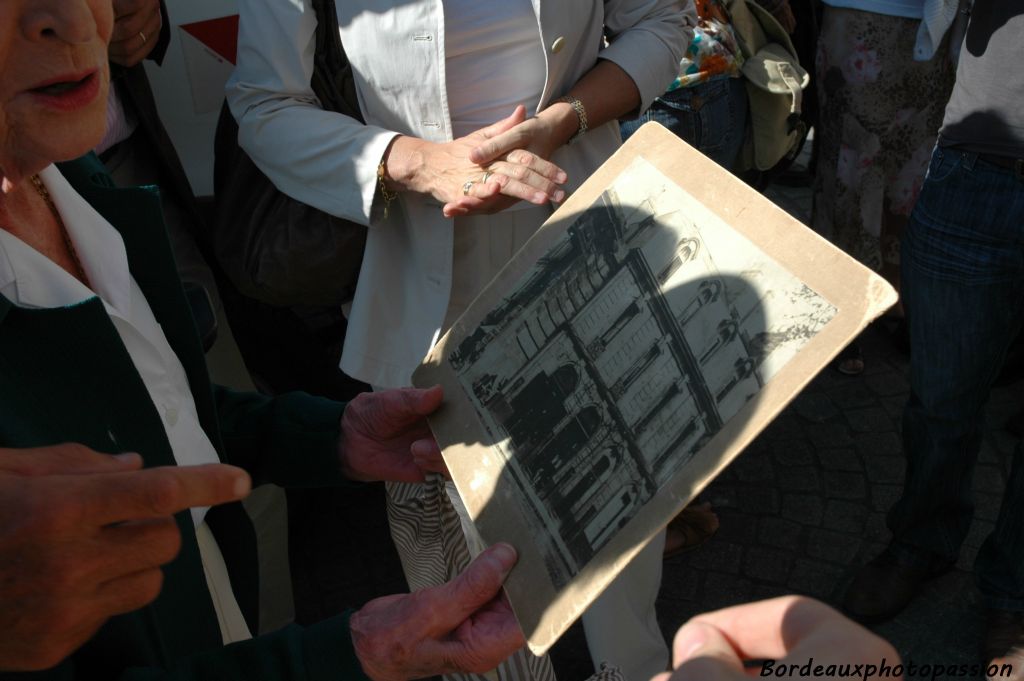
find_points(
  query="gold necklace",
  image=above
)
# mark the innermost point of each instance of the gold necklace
(44, 193)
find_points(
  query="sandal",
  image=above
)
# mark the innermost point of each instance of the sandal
(850, 362)
(693, 526)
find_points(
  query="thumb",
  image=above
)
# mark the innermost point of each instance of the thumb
(517, 116)
(702, 652)
(65, 459)
(476, 586)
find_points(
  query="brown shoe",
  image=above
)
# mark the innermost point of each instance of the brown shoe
(1003, 648)
(883, 588)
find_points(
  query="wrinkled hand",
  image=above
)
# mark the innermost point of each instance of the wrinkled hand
(137, 25)
(442, 170)
(785, 631)
(82, 538)
(516, 156)
(385, 436)
(463, 626)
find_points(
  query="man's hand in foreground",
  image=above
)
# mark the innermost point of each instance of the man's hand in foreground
(788, 631)
(385, 436)
(465, 625)
(82, 538)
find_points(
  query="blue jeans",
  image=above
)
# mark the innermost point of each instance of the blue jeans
(710, 116)
(963, 287)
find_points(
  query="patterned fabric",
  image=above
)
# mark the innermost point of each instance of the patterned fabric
(713, 51)
(880, 111)
(428, 535)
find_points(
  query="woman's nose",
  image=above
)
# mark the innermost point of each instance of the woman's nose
(70, 21)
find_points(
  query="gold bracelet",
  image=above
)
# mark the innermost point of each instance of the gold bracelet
(386, 194)
(581, 115)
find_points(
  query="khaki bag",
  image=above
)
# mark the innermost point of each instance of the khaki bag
(775, 84)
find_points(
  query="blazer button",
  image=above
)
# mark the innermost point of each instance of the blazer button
(557, 45)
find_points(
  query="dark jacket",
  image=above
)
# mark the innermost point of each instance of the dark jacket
(65, 376)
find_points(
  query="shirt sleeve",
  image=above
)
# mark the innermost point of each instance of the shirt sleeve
(319, 157)
(646, 39)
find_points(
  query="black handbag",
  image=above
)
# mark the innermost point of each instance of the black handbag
(274, 248)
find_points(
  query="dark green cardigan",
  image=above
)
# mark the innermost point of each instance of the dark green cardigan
(65, 376)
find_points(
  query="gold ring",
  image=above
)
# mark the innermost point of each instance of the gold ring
(143, 36)
(487, 176)
(467, 187)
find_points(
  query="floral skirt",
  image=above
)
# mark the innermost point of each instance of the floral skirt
(880, 115)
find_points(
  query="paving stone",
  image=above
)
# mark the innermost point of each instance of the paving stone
(869, 420)
(755, 467)
(681, 585)
(792, 452)
(844, 485)
(780, 533)
(767, 565)
(875, 529)
(788, 426)
(737, 528)
(806, 509)
(885, 469)
(894, 406)
(888, 383)
(884, 496)
(844, 459)
(845, 516)
(814, 578)
(759, 500)
(986, 506)
(989, 479)
(837, 547)
(815, 407)
(851, 394)
(800, 479)
(715, 555)
(879, 444)
(723, 590)
(829, 435)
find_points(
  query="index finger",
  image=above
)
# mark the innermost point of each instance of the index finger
(156, 492)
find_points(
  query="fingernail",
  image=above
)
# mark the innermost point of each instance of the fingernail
(242, 486)
(689, 641)
(128, 457)
(561, 177)
(540, 197)
(420, 448)
(506, 557)
(559, 195)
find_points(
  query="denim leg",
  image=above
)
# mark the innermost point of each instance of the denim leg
(709, 116)
(963, 288)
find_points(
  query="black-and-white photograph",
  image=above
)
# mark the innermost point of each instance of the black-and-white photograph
(622, 352)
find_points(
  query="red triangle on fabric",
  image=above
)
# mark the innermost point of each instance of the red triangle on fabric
(220, 35)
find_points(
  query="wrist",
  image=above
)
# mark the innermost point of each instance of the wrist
(403, 163)
(563, 121)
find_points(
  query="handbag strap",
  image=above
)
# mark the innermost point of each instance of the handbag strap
(332, 80)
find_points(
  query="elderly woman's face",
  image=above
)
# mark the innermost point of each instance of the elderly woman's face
(53, 81)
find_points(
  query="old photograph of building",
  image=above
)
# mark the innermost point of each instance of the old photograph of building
(622, 352)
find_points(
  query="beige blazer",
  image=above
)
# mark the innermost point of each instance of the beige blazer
(397, 51)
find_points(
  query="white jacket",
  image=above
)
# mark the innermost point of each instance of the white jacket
(397, 51)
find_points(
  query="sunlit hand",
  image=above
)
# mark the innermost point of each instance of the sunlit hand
(465, 625)
(787, 631)
(137, 25)
(385, 436)
(509, 152)
(442, 171)
(82, 538)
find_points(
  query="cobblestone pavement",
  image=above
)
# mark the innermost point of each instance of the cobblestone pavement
(805, 505)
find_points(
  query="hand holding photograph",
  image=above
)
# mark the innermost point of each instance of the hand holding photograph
(658, 321)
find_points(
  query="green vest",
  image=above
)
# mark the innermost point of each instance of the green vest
(65, 376)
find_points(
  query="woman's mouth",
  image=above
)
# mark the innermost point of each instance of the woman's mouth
(68, 93)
